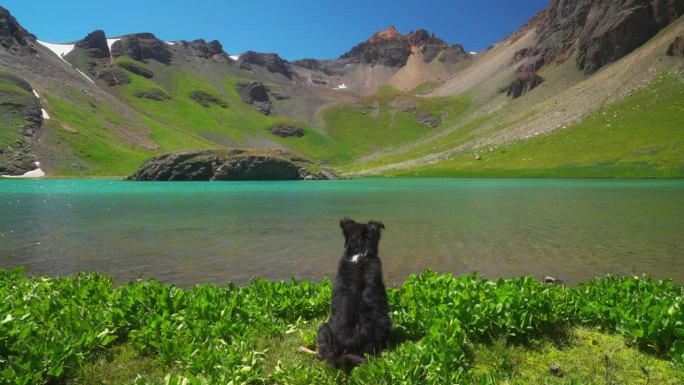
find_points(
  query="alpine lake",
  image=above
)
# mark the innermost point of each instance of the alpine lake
(186, 233)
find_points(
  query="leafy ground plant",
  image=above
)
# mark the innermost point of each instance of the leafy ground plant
(467, 330)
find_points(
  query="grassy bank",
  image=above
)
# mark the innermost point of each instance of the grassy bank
(468, 330)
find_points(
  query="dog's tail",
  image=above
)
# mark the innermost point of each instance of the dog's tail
(350, 360)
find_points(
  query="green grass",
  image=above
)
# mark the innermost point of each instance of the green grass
(188, 122)
(424, 87)
(377, 123)
(466, 330)
(585, 355)
(94, 142)
(638, 137)
(10, 130)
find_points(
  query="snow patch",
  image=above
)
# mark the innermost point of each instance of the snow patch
(37, 173)
(170, 42)
(86, 76)
(35, 93)
(110, 43)
(472, 53)
(60, 50)
(235, 57)
(45, 114)
(341, 87)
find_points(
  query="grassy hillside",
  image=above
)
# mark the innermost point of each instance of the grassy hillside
(89, 129)
(225, 122)
(388, 119)
(638, 137)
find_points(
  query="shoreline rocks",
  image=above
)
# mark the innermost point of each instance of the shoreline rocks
(230, 165)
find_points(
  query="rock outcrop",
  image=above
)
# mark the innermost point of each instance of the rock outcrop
(676, 49)
(13, 36)
(206, 99)
(390, 48)
(426, 119)
(95, 43)
(270, 61)
(152, 94)
(200, 48)
(113, 76)
(286, 131)
(600, 32)
(229, 164)
(20, 113)
(142, 47)
(137, 69)
(255, 94)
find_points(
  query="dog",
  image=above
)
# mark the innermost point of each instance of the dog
(359, 322)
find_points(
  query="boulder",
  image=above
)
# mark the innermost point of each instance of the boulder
(206, 99)
(137, 69)
(152, 94)
(285, 131)
(96, 44)
(113, 76)
(255, 94)
(676, 49)
(523, 84)
(426, 119)
(227, 164)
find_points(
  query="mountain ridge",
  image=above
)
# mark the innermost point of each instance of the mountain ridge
(127, 98)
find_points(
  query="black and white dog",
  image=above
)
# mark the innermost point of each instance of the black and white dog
(359, 321)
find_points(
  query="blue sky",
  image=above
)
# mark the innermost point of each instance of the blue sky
(295, 29)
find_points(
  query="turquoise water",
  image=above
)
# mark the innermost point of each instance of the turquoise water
(192, 232)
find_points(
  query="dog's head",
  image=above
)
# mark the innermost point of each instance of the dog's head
(361, 239)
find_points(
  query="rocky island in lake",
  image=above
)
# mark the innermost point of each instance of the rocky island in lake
(229, 164)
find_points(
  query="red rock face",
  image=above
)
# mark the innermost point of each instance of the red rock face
(388, 35)
(389, 47)
(601, 32)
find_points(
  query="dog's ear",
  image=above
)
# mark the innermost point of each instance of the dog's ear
(346, 224)
(376, 226)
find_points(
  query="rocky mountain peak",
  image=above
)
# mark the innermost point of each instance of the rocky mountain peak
(203, 49)
(270, 61)
(422, 37)
(12, 35)
(142, 47)
(391, 48)
(96, 44)
(387, 35)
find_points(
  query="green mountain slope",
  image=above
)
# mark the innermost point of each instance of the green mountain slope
(112, 108)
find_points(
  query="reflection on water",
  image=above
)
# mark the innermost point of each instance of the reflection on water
(187, 232)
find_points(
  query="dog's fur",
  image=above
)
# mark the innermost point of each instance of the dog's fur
(359, 321)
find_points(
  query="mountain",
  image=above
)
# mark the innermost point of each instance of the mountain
(584, 89)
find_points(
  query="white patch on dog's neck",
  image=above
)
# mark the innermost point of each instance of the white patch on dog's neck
(355, 257)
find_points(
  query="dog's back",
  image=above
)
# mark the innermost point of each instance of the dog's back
(359, 321)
